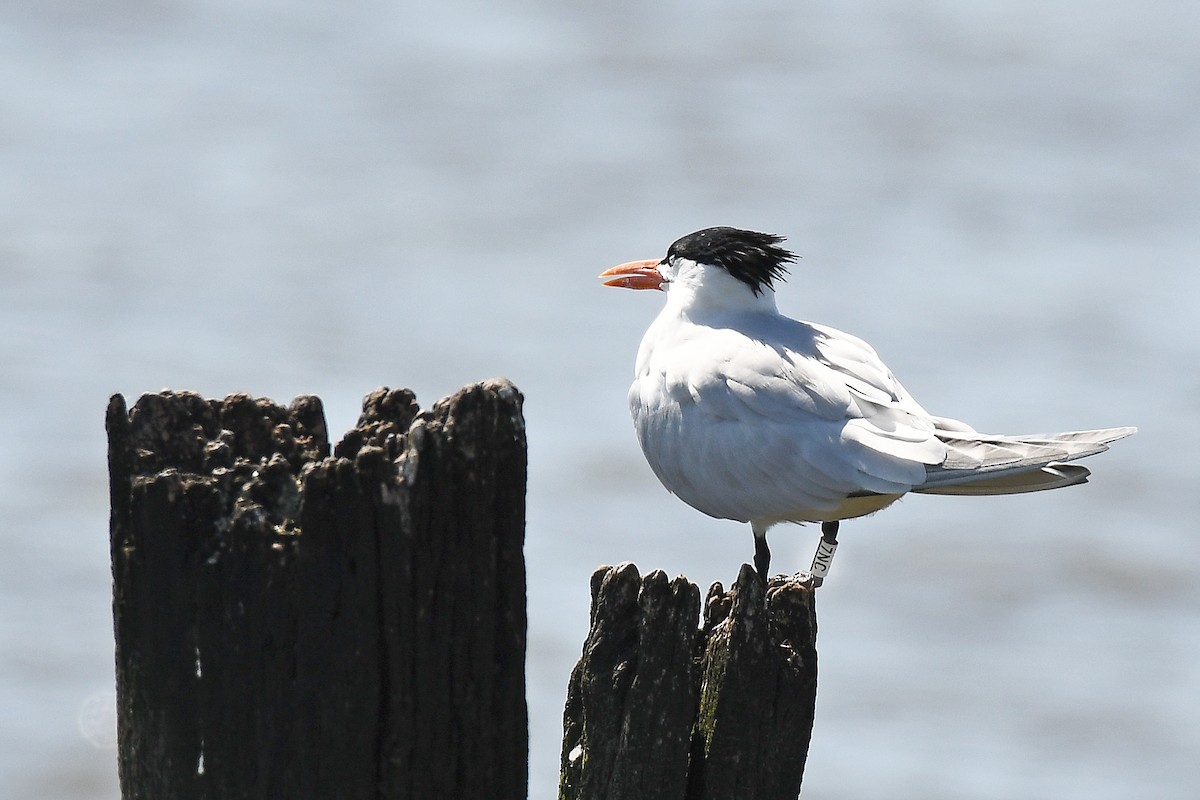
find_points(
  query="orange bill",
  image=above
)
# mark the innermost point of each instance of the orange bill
(635, 275)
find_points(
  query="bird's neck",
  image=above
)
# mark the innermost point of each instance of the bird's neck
(717, 294)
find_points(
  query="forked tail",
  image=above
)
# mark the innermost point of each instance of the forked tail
(980, 463)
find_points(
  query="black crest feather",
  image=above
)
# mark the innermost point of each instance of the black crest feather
(755, 259)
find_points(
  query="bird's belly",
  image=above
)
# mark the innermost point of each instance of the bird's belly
(747, 468)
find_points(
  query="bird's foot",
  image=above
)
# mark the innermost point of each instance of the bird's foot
(806, 576)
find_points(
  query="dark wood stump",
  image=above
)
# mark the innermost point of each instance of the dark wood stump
(657, 708)
(291, 623)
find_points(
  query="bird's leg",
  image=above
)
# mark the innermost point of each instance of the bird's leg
(762, 553)
(825, 550)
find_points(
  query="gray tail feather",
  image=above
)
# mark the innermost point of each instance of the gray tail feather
(981, 464)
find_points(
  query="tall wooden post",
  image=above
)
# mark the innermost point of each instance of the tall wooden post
(295, 623)
(658, 708)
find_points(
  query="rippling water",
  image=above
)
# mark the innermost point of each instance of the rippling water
(288, 198)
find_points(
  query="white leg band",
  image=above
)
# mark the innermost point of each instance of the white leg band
(823, 558)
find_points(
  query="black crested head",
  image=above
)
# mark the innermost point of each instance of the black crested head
(755, 259)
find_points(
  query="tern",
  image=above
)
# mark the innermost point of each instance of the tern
(748, 415)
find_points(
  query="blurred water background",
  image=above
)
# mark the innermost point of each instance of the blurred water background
(317, 197)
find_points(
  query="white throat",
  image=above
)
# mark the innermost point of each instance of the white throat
(696, 289)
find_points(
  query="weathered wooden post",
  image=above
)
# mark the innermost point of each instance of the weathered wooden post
(291, 623)
(657, 708)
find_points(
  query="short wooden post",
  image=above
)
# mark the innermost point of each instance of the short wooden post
(631, 700)
(294, 623)
(657, 708)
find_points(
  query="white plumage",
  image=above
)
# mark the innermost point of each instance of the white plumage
(748, 415)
